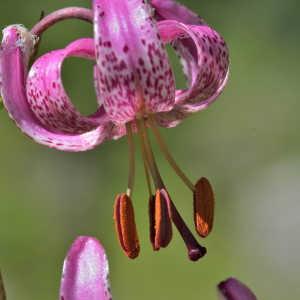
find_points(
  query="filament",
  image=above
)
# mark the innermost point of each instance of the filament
(165, 151)
(131, 159)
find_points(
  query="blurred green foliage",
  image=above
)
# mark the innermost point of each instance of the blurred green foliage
(246, 143)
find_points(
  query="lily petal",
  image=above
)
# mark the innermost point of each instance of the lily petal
(133, 66)
(212, 60)
(48, 99)
(172, 10)
(13, 69)
(85, 272)
(210, 75)
(185, 48)
(232, 289)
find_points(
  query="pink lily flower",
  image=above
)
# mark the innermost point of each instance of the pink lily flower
(85, 275)
(135, 89)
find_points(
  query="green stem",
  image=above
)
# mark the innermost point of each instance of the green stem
(1, 103)
(2, 292)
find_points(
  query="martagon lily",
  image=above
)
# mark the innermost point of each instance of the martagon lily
(135, 90)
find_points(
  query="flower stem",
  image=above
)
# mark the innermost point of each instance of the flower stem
(33, 57)
(1, 103)
(131, 159)
(167, 154)
(2, 292)
(60, 15)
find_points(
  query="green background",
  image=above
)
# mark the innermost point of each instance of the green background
(246, 143)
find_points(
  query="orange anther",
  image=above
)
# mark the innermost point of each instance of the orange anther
(125, 226)
(204, 207)
(160, 220)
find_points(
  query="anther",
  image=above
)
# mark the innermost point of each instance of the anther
(125, 226)
(204, 207)
(160, 220)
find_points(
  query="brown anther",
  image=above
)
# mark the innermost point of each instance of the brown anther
(125, 226)
(160, 220)
(204, 207)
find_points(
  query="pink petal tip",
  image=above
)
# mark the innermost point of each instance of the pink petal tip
(232, 289)
(85, 272)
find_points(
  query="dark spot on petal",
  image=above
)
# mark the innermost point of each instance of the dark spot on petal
(125, 48)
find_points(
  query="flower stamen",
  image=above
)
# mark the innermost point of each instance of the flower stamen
(204, 206)
(144, 155)
(160, 220)
(125, 226)
(167, 154)
(131, 159)
(195, 250)
(141, 125)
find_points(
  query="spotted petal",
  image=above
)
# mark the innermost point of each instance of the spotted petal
(135, 75)
(172, 10)
(210, 69)
(14, 57)
(48, 99)
(185, 47)
(85, 272)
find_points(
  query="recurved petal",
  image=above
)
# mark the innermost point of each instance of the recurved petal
(232, 289)
(209, 71)
(134, 71)
(172, 10)
(185, 47)
(194, 107)
(181, 111)
(212, 59)
(172, 118)
(85, 272)
(48, 99)
(16, 45)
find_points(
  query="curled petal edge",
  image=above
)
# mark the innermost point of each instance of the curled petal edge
(172, 10)
(48, 99)
(210, 71)
(13, 60)
(185, 48)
